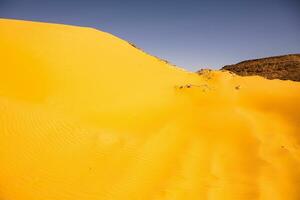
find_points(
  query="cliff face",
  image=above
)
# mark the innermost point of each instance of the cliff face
(286, 67)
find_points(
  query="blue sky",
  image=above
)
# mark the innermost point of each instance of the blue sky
(192, 34)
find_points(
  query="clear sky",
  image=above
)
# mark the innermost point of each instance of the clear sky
(192, 34)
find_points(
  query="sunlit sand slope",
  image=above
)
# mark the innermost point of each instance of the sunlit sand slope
(86, 116)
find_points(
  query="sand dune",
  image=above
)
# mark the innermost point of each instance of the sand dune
(86, 116)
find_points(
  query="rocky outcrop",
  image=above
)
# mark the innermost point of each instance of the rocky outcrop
(286, 67)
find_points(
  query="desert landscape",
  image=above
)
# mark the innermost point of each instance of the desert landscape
(85, 115)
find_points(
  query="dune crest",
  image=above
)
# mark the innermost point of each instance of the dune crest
(84, 115)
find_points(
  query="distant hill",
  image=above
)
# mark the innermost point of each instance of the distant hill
(285, 67)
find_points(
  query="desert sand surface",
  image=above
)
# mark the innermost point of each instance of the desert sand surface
(86, 116)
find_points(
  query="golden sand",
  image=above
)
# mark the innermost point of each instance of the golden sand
(86, 116)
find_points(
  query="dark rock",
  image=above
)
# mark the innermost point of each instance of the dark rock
(286, 67)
